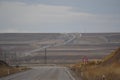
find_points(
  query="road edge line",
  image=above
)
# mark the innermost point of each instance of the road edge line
(67, 71)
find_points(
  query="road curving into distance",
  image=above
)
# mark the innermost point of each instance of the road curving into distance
(42, 73)
(55, 45)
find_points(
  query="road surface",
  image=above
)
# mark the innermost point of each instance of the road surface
(42, 73)
(55, 45)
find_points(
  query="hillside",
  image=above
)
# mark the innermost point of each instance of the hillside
(109, 69)
(114, 57)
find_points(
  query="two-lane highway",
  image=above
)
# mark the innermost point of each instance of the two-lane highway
(42, 73)
(70, 37)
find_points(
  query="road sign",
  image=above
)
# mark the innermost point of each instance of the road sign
(85, 60)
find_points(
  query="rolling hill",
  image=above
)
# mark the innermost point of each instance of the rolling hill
(114, 57)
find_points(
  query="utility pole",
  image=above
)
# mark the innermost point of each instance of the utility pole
(5, 56)
(45, 56)
(16, 59)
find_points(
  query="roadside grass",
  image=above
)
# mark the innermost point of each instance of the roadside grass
(111, 72)
(5, 70)
(106, 69)
(97, 72)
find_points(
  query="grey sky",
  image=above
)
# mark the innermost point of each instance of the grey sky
(59, 16)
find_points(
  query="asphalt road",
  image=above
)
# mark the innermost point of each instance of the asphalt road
(54, 45)
(42, 73)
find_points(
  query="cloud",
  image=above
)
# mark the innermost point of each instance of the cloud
(22, 17)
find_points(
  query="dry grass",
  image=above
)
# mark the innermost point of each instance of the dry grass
(110, 56)
(95, 72)
(4, 71)
(108, 68)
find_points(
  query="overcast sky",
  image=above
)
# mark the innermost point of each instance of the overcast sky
(59, 16)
